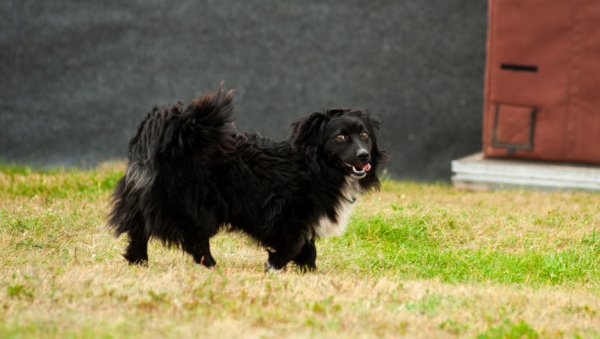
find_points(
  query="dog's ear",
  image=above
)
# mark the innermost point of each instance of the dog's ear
(378, 157)
(307, 136)
(308, 130)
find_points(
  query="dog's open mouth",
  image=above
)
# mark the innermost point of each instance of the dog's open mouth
(359, 171)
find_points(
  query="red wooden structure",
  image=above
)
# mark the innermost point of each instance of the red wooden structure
(542, 87)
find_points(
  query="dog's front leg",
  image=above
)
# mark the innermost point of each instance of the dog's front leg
(281, 256)
(307, 257)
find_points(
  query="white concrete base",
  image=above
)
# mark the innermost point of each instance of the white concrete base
(478, 173)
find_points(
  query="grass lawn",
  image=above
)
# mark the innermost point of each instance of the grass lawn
(419, 260)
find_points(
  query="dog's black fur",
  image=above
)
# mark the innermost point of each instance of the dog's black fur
(190, 174)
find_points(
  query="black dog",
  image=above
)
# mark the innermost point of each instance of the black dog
(190, 174)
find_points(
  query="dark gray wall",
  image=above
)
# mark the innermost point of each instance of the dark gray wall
(76, 77)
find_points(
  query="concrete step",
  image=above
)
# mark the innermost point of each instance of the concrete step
(478, 173)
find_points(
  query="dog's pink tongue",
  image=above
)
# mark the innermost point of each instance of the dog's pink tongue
(367, 167)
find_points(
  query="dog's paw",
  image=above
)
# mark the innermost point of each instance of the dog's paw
(269, 268)
(132, 261)
(138, 263)
(207, 261)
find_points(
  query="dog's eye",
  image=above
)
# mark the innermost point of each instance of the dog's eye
(340, 137)
(364, 135)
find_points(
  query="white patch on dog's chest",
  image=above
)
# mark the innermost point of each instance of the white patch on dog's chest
(327, 227)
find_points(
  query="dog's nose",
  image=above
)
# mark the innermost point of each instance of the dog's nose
(363, 155)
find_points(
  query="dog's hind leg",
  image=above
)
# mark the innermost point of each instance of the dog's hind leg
(137, 249)
(307, 257)
(190, 231)
(195, 240)
(126, 217)
(198, 247)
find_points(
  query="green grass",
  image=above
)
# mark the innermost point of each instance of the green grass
(509, 329)
(57, 183)
(419, 260)
(413, 247)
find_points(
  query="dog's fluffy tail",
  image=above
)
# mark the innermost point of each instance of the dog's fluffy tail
(165, 136)
(175, 132)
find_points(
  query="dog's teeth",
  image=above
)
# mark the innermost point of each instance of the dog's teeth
(357, 170)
